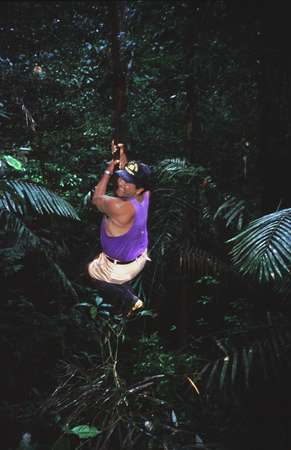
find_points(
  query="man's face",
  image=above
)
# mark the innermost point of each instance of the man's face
(125, 189)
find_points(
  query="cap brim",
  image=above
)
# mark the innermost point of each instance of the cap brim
(124, 175)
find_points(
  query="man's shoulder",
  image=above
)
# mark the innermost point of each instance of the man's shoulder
(121, 211)
(122, 205)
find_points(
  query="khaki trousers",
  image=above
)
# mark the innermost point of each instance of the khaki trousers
(104, 270)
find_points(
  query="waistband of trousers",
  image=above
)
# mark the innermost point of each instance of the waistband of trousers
(116, 261)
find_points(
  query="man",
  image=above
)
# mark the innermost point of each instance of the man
(123, 234)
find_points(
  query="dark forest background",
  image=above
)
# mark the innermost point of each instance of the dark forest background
(200, 91)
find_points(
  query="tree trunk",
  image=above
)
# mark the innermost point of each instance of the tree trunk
(275, 111)
(193, 124)
(118, 11)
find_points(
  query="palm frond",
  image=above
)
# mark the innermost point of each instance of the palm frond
(12, 223)
(233, 211)
(243, 357)
(11, 260)
(3, 112)
(199, 262)
(175, 168)
(25, 238)
(16, 196)
(61, 278)
(167, 219)
(264, 247)
(284, 287)
(174, 203)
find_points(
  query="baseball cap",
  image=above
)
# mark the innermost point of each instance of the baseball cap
(137, 173)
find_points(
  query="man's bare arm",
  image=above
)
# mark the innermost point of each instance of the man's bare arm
(103, 202)
(115, 208)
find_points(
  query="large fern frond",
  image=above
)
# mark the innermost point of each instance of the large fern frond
(233, 211)
(25, 238)
(175, 168)
(11, 223)
(245, 356)
(264, 247)
(196, 261)
(16, 196)
(3, 112)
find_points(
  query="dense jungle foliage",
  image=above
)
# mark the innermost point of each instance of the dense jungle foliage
(200, 91)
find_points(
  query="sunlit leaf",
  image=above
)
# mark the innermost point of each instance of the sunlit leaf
(13, 162)
(93, 312)
(85, 431)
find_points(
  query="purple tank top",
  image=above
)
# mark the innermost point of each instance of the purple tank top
(134, 242)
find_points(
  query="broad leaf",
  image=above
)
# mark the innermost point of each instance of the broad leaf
(85, 431)
(13, 162)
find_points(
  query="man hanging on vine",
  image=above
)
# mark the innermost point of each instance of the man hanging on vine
(123, 233)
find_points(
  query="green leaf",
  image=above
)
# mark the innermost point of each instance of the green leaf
(93, 312)
(25, 149)
(17, 165)
(106, 305)
(146, 313)
(98, 300)
(85, 431)
(223, 372)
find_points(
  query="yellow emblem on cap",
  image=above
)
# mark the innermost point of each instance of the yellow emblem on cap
(131, 167)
